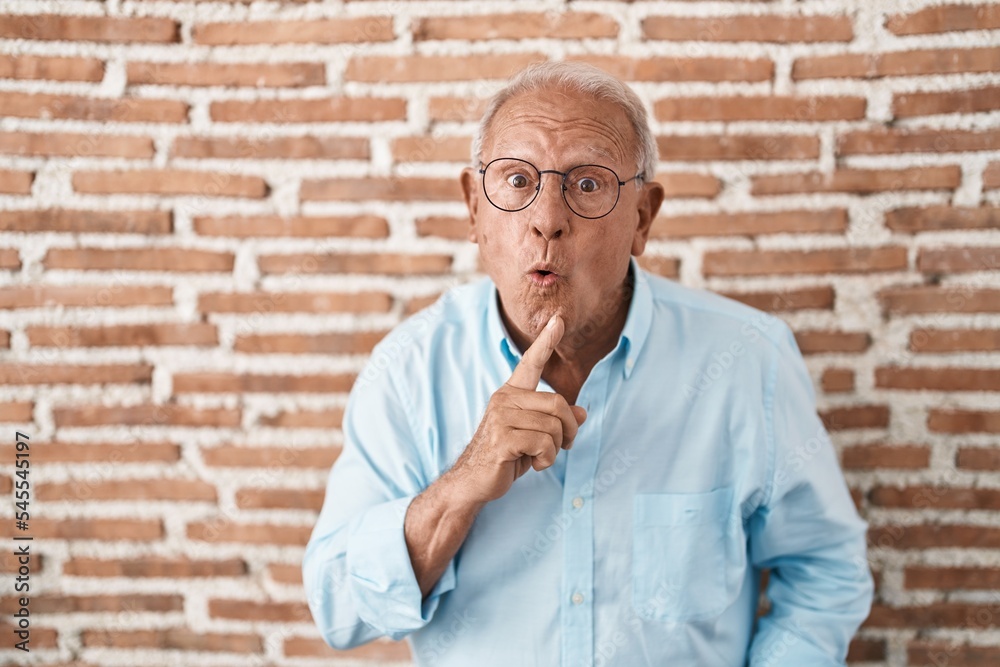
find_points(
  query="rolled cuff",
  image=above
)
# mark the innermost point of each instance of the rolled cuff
(382, 581)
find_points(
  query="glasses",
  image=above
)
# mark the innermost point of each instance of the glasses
(589, 190)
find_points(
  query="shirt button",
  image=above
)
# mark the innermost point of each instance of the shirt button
(578, 502)
(577, 598)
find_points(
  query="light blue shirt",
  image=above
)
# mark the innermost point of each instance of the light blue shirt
(701, 463)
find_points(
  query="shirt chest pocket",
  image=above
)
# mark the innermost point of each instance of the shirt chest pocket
(688, 555)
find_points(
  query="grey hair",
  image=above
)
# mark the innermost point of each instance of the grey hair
(583, 78)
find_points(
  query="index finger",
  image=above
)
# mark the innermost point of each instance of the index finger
(529, 371)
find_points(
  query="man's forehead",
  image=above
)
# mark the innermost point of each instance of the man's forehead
(571, 122)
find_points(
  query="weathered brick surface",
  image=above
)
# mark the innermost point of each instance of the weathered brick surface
(211, 212)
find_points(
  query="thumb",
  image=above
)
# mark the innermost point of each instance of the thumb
(579, 413)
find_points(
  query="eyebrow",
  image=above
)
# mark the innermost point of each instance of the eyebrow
(513, 150)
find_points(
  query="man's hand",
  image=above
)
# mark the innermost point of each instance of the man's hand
(522, 428)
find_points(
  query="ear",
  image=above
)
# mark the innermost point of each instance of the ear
(649, 205)
(471, 193)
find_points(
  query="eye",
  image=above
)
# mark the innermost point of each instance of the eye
(517, 180)
(587, 185)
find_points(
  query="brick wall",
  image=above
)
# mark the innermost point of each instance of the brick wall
(211, 211)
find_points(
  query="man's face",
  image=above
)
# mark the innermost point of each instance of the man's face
(557, 129)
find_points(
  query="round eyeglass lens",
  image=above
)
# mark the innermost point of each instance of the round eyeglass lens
(510, 184)
(591, 190)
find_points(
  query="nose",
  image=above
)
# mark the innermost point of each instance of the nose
(549, 215)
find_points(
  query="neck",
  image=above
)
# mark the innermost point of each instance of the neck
(583, 345)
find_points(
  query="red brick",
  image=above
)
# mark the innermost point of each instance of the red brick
(293, 302)
(912, 219)
(365, 263)
(86, 490)
(181, 639)
(30, 374)
(963, 421)
(99, 453)
(759, 107)
(856, 416)
(89, 28)
(978, 458)
(325, 419)
(945, 18)
(224, 530)
(991, 176)
(101, 109)
(271, 611)
(806, 298)
(93, 604)
(154, 566)
(781, 29)
(883, 140)
(444, 227)
(934, 536)
(951, 578)
(386, 189)
(134, 530)
(4, 340)
(837, 380)
(866, 650)
(257, 75)
(750, 224)
(897, 63)
(16, 411)
(818, 342)
(737, 147)
(86, 222)
(935, 497)
(51, 68)
(377, 650)
(89, 296)
(358, 226)
(859, 181)
(49, 144)
(234, 456)
(958, 260)
(392, 69)
(139, 259)
(679, 68)
(208, 382)
(668, 267)
(10, 259)
(41, 637)
(932, 299)
(15, 182)
(456, 109)
(123, 335)
(431, 149)
(170, 182)
(302, 499)
(922, 653)
(330, 31)
(890, 457)
(955, 340)
(941, 379)
(145, 415)
(313, 110)
(360, 342)
(934, 615)
(976, 100)
(785, 262)
(681, 184)
(285, 574)
(277, 148)
(516, 25)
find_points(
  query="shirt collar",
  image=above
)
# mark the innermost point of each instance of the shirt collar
(632, 338)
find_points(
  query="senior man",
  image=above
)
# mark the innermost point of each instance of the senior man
(574, 462)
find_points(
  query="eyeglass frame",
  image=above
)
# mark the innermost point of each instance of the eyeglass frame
(564, 174)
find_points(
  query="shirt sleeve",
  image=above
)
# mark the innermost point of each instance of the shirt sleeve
(807, 532)
(357, 572)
